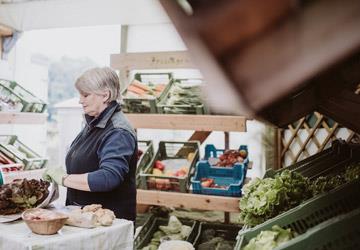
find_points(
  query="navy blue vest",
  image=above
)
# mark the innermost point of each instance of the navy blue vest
(82, 158)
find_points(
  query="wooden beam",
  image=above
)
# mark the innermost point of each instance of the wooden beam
(313, 40)
(234, 23)
(187, 200)
(22, 118)
(343, 108)
(188, 122)
(151, 60)
(200, 136)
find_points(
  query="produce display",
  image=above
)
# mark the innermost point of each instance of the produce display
(13, 97)
(171, 166)
(326, 183)
(230, 157)
(266, 198)
(90, 216)
(175, 230)
(215, 239)
(137, 89)
(184, 97)
(8, 101)
(144, 93)
(269, 239)
(22, 194)
(7, 165)
(210, 183)
(168, 168)
(16, 151)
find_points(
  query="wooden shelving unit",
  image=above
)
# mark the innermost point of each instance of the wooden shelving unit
(188, 200)
(202, 125)
(189, 122)
(22, 118)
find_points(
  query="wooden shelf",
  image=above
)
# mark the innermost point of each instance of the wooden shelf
(188, 200)
(189, 122)
(28, 174)
(22, 118)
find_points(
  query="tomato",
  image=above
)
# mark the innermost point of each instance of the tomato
(159, 165)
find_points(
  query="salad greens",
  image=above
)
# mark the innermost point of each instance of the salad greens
(269, 239)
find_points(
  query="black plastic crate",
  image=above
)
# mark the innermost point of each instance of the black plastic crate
(227, 231)
(152, 225)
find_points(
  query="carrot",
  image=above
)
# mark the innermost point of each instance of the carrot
(135, 90)
(160, 87)
(140, 85)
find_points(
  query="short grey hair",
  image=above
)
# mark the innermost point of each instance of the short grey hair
(98, 80)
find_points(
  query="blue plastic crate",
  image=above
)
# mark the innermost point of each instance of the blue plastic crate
(212, 152)
(233, 178)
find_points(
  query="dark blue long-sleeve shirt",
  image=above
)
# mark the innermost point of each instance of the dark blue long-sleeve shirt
(115, 151)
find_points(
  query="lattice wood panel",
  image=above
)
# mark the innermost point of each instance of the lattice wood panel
(311, 135)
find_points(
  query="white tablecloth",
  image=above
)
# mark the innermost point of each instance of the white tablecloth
(17, 236)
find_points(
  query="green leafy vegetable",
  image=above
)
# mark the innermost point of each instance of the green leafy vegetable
(266, 198)
(269, 239)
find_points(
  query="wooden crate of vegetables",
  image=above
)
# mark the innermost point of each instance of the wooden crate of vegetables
(18, 152)
(145, 91)
(145, 154)
(171, 167)
(13, 97)
(184, 97)
(156, 229)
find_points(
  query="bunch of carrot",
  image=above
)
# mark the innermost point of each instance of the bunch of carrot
(142, 90)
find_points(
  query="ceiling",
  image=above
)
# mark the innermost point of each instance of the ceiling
(25, 15)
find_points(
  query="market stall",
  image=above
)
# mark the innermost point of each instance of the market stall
(278, 62)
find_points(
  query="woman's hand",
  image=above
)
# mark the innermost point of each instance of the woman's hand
(56, 174)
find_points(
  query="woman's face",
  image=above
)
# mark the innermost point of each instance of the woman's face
(93, 104)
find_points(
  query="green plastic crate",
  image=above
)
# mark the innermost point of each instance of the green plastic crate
(20, 153)
(164, 108)
(226, 231)
(145, 105)
(152, 225)
(171, 150)
(148, 153)
(329, 162)
(310, 213)
(339, 233)
(29, 102)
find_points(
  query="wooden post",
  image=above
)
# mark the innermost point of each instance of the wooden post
(124, 73)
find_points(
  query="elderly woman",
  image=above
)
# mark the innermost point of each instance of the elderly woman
(101, 161)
